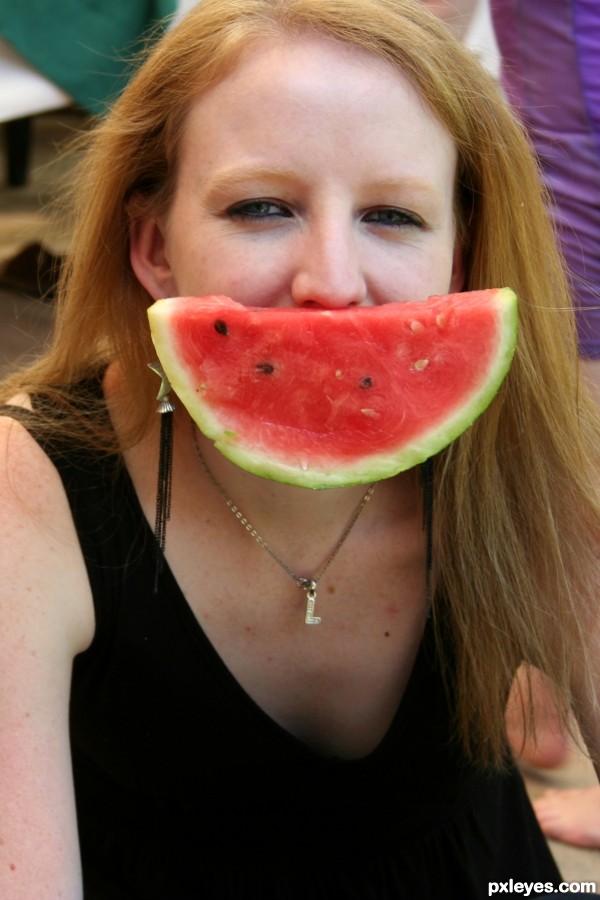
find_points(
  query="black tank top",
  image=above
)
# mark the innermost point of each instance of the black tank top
(186, 789)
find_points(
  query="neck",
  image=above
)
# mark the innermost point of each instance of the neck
(303, 515)
(262, 497)
(315, 525)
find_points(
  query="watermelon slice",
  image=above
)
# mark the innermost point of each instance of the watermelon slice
(325, 398)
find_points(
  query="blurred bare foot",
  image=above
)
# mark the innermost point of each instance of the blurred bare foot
(552, 745)
(571, 816)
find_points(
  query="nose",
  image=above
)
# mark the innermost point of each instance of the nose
(329, 272)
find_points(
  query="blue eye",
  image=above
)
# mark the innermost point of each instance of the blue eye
(258, 209)
(390, 217)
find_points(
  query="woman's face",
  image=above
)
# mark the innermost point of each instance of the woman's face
(312, 175)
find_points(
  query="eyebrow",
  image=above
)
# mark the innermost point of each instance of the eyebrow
(228, 178)
(412, 182)
(225, 179)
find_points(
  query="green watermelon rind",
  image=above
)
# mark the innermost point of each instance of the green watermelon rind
(369, 468)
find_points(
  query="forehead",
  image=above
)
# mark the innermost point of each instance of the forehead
(288, 93)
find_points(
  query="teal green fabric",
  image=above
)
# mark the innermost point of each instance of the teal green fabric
(83, 46)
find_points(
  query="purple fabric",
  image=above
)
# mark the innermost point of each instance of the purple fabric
(551, 71)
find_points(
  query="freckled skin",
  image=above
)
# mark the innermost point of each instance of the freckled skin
(318, 220)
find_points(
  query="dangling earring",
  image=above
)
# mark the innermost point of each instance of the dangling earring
(427, 481)
(165, 469)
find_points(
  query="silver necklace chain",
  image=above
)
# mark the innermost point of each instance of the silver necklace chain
(309, 585)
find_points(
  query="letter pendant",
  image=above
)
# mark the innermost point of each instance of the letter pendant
(311, 598)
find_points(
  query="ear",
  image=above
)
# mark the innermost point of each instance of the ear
(149, 260)
(457, 281)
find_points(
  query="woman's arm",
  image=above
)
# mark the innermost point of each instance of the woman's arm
(46, 617)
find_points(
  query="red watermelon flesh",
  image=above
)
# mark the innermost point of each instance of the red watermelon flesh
(324, 398)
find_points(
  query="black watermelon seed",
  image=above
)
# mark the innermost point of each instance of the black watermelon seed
(221, 327)
(366, 382)
(266, 368)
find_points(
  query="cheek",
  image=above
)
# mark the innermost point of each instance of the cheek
(422, 279)
(249, 274)
(253, 272)
(193, 259)
(438, 272)
(413, 270)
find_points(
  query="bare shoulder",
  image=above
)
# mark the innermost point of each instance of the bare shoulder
(46, 618)
(40, 557)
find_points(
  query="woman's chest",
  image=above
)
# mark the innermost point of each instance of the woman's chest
(337, 684)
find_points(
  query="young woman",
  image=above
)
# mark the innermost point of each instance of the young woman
(194, 738)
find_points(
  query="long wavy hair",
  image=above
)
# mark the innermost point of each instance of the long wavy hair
(516, 523)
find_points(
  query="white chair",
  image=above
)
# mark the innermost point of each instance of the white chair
(24, 93)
